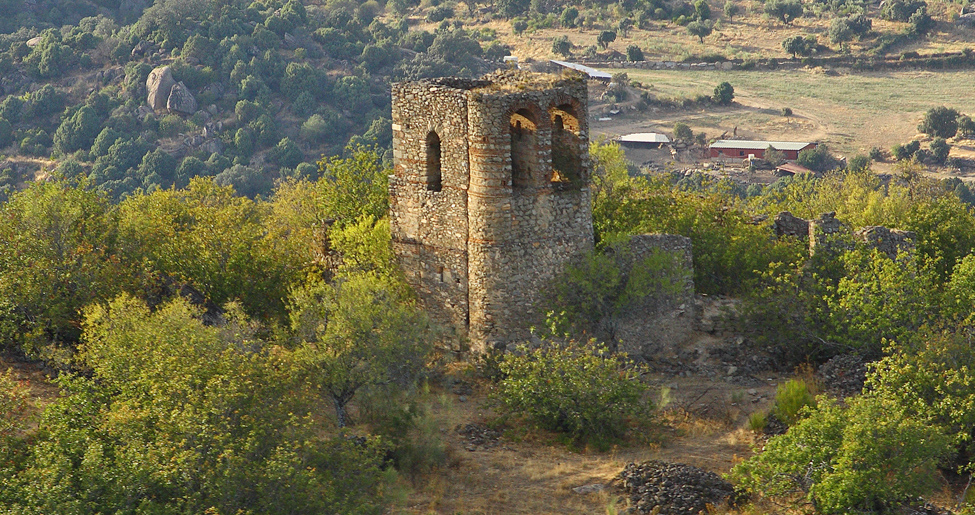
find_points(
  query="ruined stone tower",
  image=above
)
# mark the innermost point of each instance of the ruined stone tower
(489, 196)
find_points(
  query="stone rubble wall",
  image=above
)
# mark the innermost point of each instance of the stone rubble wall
(828, 232)
(662, 318)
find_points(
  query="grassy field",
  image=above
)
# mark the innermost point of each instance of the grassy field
(851, 112)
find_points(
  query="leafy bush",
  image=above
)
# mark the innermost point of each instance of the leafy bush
(683, 132)
(790, 398)
(933, 383)
(940, 150)
(634, 53)
(591, 294)
(724, 93)
(940, 121)
(863, 458)
(583, 391)
(818, 159)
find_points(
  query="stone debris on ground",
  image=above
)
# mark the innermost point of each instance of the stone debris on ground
(843, 375)
(672, 488)
(479, 436)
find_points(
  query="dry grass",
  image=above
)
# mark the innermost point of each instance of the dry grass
(535, 474)
(850, 112)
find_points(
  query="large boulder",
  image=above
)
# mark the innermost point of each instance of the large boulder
(159, 85)
(180, 99)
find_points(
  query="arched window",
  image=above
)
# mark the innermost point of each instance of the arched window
(524, 147)
(434, 172)
(566, 146)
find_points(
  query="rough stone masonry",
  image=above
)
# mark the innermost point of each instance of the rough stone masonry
(489, 197)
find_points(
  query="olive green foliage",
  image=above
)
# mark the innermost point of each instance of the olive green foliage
(939, 150)
(354, 185)
(940, 121)
(59, 254)
(605, 38)
(799, 45)
(729, 251)
(562, 46)
(582, 391)
(700, 29)
(683, 132)
(724, 93)
(785, 10)
(933, 382)
(216, 241)
(223, 428)
(818, 159)
(357, 333)
(790, 398)
(866, 457)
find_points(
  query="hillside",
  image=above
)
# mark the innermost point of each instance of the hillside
(278, 85)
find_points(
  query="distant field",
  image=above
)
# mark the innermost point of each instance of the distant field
(852, 112)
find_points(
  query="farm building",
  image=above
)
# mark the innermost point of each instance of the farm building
(734, 149)
(644, 140)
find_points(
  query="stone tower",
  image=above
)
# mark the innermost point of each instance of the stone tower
(489, 196)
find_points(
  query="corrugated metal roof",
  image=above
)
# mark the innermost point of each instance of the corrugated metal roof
(760, 145)
(591, 72)
(793, 168)
(645, 137)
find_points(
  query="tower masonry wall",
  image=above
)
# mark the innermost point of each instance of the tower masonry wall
(513, 204)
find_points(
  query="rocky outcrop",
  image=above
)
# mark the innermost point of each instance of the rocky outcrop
(159, 85)
(166, 93)
(671, 488)
(181, 100)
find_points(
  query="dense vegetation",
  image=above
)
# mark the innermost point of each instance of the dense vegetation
(278, 85)
(230, 331)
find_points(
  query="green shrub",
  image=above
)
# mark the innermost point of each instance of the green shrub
(757, 421)
(583, 391)
(863, 458)
(934, 383)
(790, 398)
(786, 111)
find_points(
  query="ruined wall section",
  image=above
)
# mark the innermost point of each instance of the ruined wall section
(428, 219)
(523, 228)
(659, 322)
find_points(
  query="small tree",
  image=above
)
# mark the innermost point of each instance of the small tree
(966, 127)
(702, 10)
(731, 10)
(701, 29)
(773, 156)
(785, 10)
(724, 93)
(683, 132)
(562, 46)
(605, 38)
(358, 333)
(798, 45)
(817, 159)
(939, 150)
(634, 53)
(940, 121)
(568, 18)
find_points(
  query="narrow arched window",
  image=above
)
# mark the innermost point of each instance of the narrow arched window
(524, 147)
(566, 147)
(434, 172)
